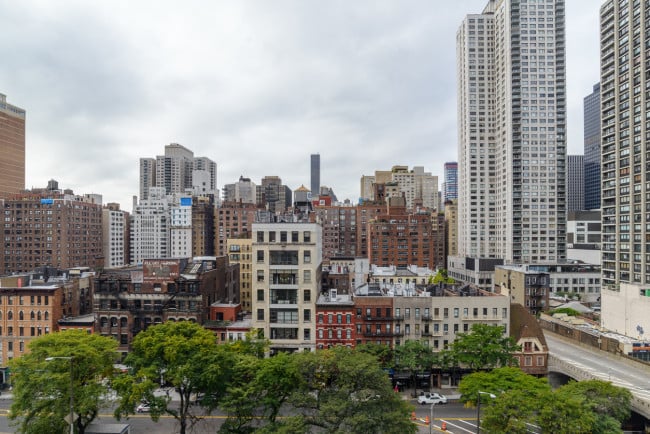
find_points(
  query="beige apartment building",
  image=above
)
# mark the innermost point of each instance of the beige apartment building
(240, 252)
(12, 148)
(286, 271)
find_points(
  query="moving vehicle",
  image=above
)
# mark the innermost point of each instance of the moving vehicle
(432, 398)
(143, 408)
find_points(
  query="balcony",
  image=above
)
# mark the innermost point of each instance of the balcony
(382, 334)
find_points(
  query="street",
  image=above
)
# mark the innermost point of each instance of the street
(458, 419)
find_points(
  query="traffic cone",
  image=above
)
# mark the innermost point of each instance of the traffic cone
(443, 425)
(426, 420)
(413, 416)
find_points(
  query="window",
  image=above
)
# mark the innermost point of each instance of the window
(320, 318)
(456, 312)
(307, 334)
(260, 314)
(260, 275)
(306, 295)
(306, 237)
(306, 276)
(283, 236)
(260, 295)
(330, 318)
(307, 257)
(260, 236)
(271, 237)
(294, 236)
(260, 256)
(348, 318)
(339, 318)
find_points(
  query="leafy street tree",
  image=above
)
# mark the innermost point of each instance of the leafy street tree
(484, 347)
(578, 407)
(383, 353)
(41, 387)
(413, 356)
(611, 405)
(498, 381)
(344, 391)
(184, 356)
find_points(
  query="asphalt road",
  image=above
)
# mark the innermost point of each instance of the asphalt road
(458, 419)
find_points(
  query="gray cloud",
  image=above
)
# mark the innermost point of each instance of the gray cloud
(256, 86)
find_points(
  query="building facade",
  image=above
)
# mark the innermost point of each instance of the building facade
(233, 220)
(511, 133)
(12, 148)
(624, 161)
(287, 281)
(115, 236)
(451, 182)
(315, 174)
(592, 148)
(51, 227)
(575, 183)
(240, 252)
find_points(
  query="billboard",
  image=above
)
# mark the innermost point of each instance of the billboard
(186, 201)
(160, 270)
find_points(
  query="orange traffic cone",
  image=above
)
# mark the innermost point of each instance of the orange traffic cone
(426, 420)
(413, 416)
(443, 425)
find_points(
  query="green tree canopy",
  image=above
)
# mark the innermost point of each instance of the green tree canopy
(41, 388)
(484, 347)
(184, 356)
(579, 407)
(383, 353)
(413, 356)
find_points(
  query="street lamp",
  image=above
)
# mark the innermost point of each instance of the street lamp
(69, 359)
(431, 419)
(478, 409)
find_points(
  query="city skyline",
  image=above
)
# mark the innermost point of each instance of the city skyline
(366, 87)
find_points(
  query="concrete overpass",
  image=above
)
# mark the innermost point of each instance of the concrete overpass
(584, 363)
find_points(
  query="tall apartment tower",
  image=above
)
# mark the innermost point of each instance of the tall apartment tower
(592, 148)
(175, 172)
(12, 148)
(315, 174)
(451, 182)
(511, 132)
(115, 236)
(575, 186)
(625, 108)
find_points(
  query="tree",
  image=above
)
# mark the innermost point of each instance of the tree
(383, 353)
(41, 388)
(441, 277)
(413, 356)
(344, 391)
(485, 347)
(611, 405)
(183, 355)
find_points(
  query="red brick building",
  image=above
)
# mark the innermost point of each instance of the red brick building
(233, 220)
(401, 238)
(335, 321)
(339, 230)
(375, 320)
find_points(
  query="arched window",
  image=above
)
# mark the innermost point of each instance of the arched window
(32, 315)
(113, 321)
(123, 321)
(47, 315)
(21, 315)
(38, 315)
(10, 315)
(103, 321)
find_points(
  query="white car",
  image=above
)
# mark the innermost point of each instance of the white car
(432, 398)
(143, 408)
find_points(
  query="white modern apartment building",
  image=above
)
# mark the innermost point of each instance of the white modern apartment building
(150, 223)
(511, 132)
(286, 274)
(625, 159)
(180, 229)
(115, 232)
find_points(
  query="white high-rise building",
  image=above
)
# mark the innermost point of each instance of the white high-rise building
(180, 233)
(150, 223)
(625, 161)
(511, 133)
(114, 236)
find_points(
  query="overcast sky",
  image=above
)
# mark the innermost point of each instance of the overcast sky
(256, 86)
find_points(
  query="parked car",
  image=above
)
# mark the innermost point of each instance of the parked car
(143, 408)
(432, 398)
